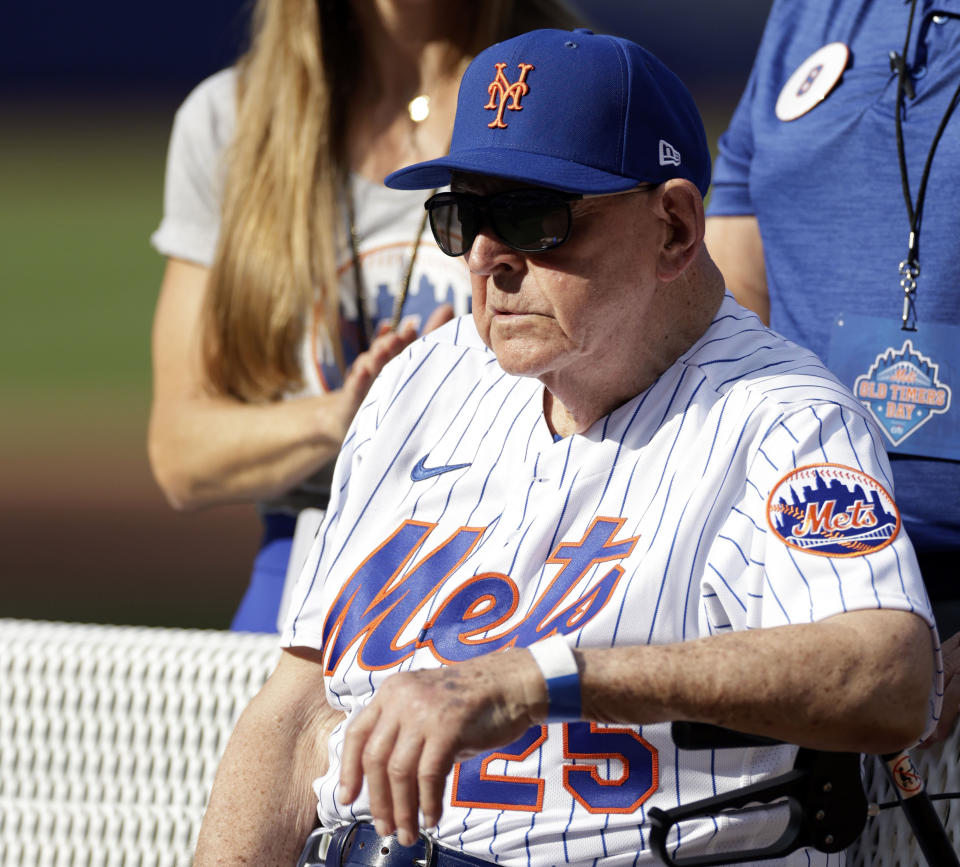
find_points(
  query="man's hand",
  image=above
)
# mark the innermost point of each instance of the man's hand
(420, 723)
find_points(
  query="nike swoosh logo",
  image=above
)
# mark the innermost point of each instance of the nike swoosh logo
(421, 472)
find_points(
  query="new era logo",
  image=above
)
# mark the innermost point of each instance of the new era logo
(669, 155)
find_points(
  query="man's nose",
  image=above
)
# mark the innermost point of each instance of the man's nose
(488, 254)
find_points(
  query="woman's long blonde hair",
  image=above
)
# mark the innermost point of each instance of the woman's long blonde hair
(280, 219)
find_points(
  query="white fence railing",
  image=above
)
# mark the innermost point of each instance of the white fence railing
(110, 737)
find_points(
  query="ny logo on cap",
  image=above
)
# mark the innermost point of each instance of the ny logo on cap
(501, 90)
(669, 155)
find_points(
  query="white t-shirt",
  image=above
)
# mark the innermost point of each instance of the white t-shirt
(746, 488)
(387, 222)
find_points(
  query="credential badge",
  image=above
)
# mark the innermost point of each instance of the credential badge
(832, 510)
(903, 391)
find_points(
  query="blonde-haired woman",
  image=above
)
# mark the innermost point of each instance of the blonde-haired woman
(293, 275)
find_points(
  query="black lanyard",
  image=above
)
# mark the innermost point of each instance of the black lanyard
(910, 267)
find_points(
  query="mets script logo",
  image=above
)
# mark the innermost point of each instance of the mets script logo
(903, 391)
(832, 510)
(386, 594)
(504, 95)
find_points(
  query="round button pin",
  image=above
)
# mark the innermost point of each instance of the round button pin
(812, 81)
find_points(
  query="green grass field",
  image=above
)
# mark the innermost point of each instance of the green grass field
(85, 533)
(81, 193)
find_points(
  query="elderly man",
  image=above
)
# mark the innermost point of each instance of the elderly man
(609, 500)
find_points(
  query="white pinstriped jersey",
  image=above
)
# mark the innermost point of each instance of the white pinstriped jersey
(743, 489)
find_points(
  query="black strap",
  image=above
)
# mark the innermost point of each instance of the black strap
(910, 267)
(823, 796)
(359, 284)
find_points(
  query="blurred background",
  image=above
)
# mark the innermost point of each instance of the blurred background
(87, 95)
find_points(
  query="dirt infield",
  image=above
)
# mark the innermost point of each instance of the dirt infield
(87, 536)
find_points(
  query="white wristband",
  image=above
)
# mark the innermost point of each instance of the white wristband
(559, 667)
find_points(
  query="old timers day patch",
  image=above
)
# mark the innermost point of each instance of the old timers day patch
(902, 390)
(832, 510)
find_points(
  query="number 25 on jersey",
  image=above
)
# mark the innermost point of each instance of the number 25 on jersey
(586, 745)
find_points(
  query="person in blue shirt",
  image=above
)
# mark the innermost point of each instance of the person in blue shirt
(833, 215)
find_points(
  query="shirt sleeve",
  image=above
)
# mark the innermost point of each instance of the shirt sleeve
(193, 186)
(308, 602)
(730, 189)
(351, 491)
(831, 538)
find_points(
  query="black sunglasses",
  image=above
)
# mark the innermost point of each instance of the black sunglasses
(529, 221)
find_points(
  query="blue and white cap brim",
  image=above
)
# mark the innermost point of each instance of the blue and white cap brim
(521, 166)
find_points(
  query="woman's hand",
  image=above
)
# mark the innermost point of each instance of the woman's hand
(208, 449)
(387, 345)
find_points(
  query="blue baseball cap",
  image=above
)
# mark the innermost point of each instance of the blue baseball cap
(572, 111)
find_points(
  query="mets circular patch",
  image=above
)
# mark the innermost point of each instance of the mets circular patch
(832, 510)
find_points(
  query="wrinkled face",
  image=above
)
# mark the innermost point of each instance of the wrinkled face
(582, 303)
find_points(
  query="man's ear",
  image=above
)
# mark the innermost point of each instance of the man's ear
(681, 209)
